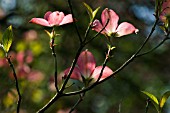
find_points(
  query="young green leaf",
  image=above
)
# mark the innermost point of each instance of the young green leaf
(95, 12)
(89, 10)
(91, 13)
(164, 99)
(7, 39)
(154, 100)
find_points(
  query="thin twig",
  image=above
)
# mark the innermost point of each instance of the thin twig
(55, 62)
(72, 67)
(119, 108)
(81, 96)
(98, 32)
(153, 49)
(44, 108)
(147, 105)
(16, 83)
(70, 5)
(87, 31)
(147, 39)
(104, 64)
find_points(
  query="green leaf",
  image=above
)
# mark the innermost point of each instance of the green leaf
(7, 39)
(154, 100)
(89, 10)
(95, 12)
(164, 99)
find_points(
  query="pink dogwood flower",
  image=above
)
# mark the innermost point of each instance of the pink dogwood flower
(53, 19)
(165, 14)
(112, 27)
(86, 67)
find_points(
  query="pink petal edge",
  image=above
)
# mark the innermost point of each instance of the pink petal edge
(106, 72)
(40, 21)
(113, 20)
(67, 19)
(47, 15)
(97, 26)
(75, 74)
(126, 28)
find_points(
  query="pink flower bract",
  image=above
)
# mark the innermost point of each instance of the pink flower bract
(112, 27)
(165, 10)
(53, 19)
(86, 67)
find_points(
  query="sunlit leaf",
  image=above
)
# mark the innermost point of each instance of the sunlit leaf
(52, 34)
(49, 34)
(153, 99)
(164, 99)
(89, 10)
(95, 12)
(7, 39)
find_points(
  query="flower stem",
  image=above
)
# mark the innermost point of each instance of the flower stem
(44, 108)
(16, 83)
(104, 64)
(52, 44)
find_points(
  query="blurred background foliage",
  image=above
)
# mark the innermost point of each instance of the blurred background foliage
(33, 61)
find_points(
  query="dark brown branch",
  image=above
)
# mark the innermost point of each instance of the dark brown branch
(55, 61)
(16, 83)
(104, 64)
(153, 49)
(44, 108)
(81, 96)
(70, 5)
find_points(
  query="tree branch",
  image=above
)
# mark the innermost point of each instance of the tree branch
(81, 96)
(52, 45)
(70, 5)
(16, 83)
